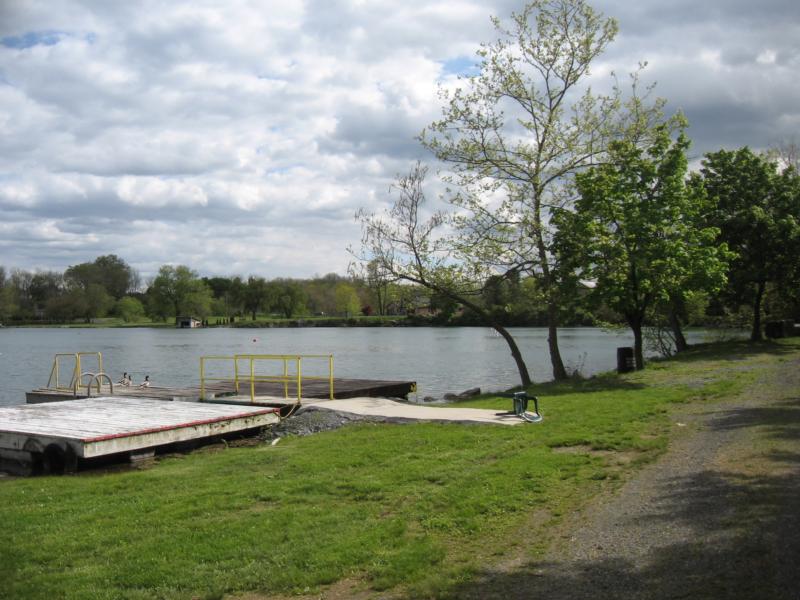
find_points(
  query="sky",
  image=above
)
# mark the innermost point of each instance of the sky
(240, 137)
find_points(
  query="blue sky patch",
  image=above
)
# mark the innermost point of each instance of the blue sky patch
(461, 65)
(32, 38)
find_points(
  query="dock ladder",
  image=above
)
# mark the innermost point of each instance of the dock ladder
(77, 374)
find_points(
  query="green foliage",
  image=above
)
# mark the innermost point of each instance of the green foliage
(178, 291)
(635, 230)
(8, 303)
(109, 271)
(129, 309)
(758, 216)
(258, 295)
(347, 302)
(288, 297)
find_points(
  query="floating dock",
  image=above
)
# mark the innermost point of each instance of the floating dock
(54, 437)
(86, 416)
(342, 388)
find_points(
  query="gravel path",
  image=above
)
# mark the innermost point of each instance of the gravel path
(718, 516)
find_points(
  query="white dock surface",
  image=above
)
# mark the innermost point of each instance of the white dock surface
(105, 425)
(403, 411)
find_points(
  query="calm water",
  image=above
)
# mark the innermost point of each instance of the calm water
(441, 360)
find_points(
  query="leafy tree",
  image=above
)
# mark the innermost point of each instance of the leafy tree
(635, 232)
(98, 302)
(758, 216)
(20, 283)
(347, 301)
(44, 286)
(110, 271)
(8, 300)
(257, 296)
(81, 276)
(219, 286)
(237, 296)
(130, 309)
(444, 307)
(66, 307)
(198, 301)
(518, 131)
(178, 291)
(377, 283)
(289, 297)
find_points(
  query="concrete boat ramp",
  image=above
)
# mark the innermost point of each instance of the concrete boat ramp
(404, 412)
(54, 437)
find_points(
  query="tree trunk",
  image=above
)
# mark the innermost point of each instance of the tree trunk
(677, 332)
(524, 377)
(559, 372)
(755, 335)
(638, 352)
(522, 368)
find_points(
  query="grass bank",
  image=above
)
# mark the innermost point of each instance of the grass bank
(416, 508)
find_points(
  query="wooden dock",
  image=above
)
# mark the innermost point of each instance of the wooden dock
(312, 388)
(55, 436)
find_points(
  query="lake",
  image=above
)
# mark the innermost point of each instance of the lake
(440, 360)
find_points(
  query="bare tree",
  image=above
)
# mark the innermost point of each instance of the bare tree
(787, 154)
(401, 245)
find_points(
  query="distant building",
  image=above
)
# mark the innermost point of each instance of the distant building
(187, 322)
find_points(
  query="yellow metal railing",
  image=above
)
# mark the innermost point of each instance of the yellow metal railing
(76, 374)
(290, 365)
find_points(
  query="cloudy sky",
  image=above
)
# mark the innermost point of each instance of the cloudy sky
(240, 137)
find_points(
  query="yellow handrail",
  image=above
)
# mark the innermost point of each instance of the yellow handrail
(76, 370)
(285, 378)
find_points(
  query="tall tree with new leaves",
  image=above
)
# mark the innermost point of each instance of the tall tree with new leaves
(516, 133)
(635, 230)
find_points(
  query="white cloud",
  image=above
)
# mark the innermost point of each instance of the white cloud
(241, 136)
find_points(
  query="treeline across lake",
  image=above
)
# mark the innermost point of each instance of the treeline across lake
(108, 289)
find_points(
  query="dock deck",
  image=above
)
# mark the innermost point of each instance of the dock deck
(342, 388)
(59, 433)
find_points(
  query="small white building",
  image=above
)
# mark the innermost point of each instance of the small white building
(187, 322)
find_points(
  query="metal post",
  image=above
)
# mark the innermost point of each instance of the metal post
(285, 378)
(202, 378)
(77, 374)
(252, 379)
(330, 375)
(299, 378)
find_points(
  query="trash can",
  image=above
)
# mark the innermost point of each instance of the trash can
(774, 329)
(625, 360)
(788, 328)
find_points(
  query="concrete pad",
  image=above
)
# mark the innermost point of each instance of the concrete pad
(403, 412)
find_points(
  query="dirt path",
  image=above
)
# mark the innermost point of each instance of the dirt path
(718, 516)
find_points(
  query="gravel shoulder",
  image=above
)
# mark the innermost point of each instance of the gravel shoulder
(717, 516)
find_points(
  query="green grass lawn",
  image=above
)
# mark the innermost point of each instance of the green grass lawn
(419, 506)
